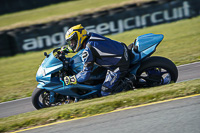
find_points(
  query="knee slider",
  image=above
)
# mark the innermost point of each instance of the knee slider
(105, 89)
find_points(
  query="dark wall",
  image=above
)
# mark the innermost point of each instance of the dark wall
(8, 6)
(113, 21)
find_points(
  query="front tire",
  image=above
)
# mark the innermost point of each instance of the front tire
(155, 71)
(40, 98)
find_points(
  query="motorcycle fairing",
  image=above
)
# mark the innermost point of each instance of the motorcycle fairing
(76, 63)
(49, 66)
(145, 45)
(146, 41)
(69, 90)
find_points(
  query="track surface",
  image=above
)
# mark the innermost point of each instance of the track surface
(186, 72)
(179, 116)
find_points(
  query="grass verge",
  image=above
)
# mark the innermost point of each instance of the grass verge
(99, 105)
(181, 44)
(56, 12)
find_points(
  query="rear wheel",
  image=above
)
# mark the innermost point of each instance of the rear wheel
(155, 71)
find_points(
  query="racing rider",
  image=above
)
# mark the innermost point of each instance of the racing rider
(100, 50)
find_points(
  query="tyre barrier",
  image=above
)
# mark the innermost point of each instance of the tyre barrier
(6, 44)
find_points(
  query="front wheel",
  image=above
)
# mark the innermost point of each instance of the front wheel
(40, 98)
(155, 71)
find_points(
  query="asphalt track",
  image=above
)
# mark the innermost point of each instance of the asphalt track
(180, 115)
(186, 72)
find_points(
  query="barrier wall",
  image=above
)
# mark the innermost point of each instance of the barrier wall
(8, 6)
(113, 21)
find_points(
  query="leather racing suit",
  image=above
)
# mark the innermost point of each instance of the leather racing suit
(107, 53)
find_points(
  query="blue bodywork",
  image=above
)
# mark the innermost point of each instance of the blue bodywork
(145, 44)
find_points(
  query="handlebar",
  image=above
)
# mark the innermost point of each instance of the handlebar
(61, 56)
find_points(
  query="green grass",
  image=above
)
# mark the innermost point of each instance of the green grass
(181, 44)
(57, 11)
(99, 105)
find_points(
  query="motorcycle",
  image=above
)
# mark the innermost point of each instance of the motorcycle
(149, 71)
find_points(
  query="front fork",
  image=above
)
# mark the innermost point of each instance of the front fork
(52, 97)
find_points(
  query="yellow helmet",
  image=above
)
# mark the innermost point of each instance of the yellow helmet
(75, 37)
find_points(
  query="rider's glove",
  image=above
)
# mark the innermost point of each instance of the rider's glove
(70, 80)
(64, 49)
(67, 49)
(67, 80)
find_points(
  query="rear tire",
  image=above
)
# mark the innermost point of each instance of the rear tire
(155, 64)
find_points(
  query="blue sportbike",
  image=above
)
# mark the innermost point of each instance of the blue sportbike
(149, 71)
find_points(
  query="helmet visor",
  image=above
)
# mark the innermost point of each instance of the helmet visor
(72, 41)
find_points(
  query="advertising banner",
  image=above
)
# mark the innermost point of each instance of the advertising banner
(38, 37)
